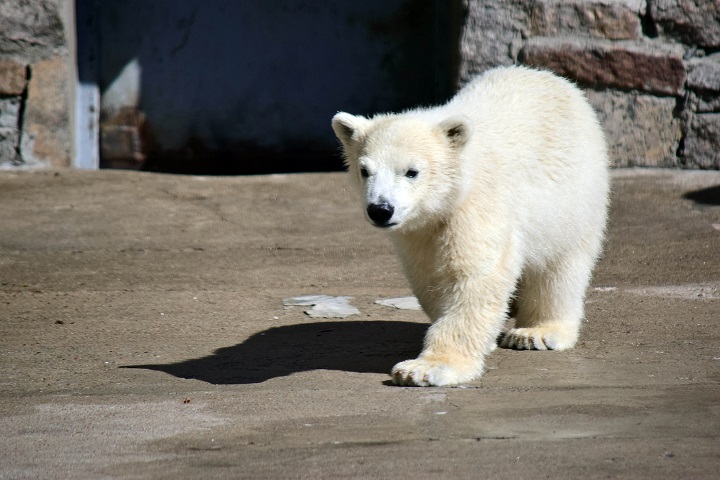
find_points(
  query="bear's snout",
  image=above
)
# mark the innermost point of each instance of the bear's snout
(380, 213)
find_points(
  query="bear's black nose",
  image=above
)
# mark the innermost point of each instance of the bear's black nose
(380, 213)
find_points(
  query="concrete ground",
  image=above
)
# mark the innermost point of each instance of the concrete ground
(142, 335)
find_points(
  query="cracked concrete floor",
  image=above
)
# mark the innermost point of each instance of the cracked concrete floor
(142, 335)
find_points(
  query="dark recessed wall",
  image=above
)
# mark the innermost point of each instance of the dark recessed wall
(210, 86)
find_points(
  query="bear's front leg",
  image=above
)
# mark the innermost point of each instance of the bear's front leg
(457, 343)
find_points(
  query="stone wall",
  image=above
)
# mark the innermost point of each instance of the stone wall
(35, 90)
(650, 68)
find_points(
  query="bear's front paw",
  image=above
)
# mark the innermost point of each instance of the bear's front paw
(539, 338)
(423, 372)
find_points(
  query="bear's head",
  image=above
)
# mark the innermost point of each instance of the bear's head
(410, 171)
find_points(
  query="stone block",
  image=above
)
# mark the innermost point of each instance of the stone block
(702, 143)
(703, 81)
(491, 36)
(9, 138)
(704, 73)
(9, 112)
(600, 63)
(31, 28)
(693, 22)
(641, 130)
(46, 126)
(13, 78)
(601, 19)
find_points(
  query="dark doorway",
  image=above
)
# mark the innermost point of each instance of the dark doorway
(217, 87)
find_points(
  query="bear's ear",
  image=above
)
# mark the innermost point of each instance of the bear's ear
(457, 129)
(348, 128)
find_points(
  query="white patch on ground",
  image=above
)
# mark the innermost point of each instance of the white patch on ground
(605, 289)
(324, 306)
(434, 397)
(403, 303)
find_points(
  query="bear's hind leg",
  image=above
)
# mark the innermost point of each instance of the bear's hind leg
(550, 305)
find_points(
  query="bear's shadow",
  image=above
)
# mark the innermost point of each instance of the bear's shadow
(705, 196)
(352, 346)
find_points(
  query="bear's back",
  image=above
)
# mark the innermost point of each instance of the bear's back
(538, 145)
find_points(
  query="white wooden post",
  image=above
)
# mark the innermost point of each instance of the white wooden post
(87, 90)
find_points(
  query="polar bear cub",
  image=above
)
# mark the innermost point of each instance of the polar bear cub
(499, 195)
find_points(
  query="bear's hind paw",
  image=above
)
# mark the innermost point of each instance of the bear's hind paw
(538, 338)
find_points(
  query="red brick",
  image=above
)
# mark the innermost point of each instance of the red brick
(622, 65)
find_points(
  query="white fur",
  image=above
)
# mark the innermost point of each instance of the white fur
(510, 196)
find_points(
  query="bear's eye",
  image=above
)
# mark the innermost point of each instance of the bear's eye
(412, 173)
(364, 173)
